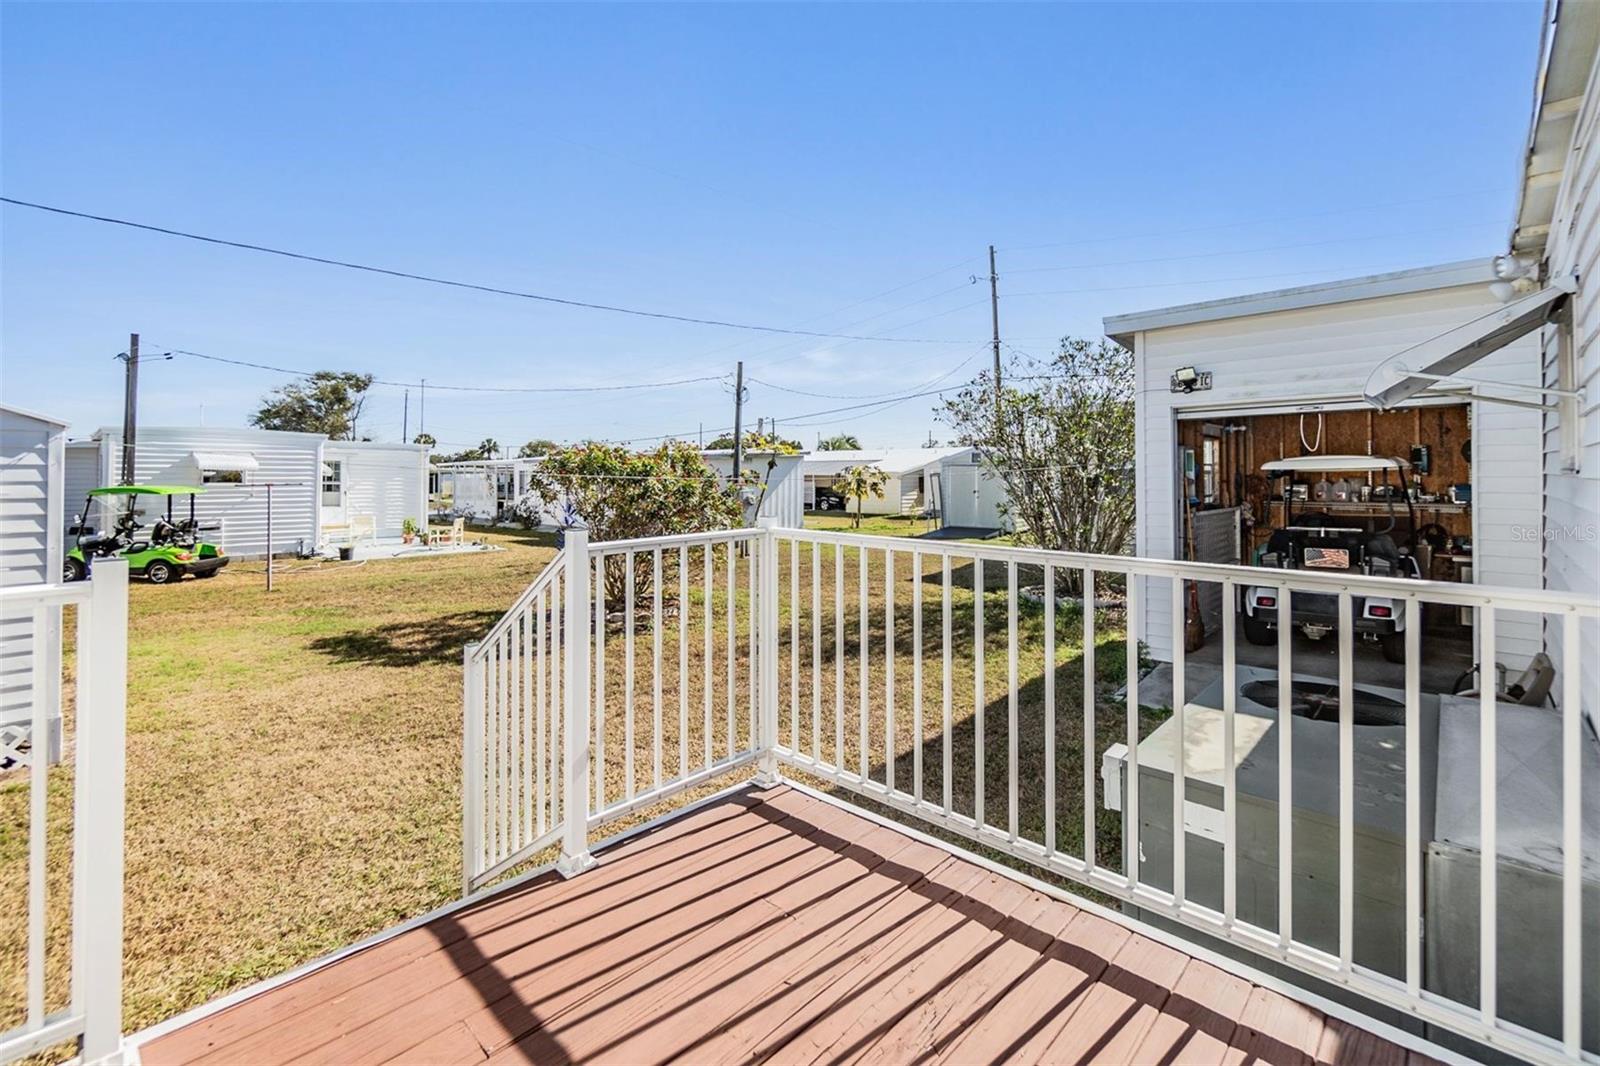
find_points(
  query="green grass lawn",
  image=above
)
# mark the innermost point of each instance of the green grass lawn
(294, 757)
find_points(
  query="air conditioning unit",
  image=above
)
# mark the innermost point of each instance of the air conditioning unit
(1379, 779)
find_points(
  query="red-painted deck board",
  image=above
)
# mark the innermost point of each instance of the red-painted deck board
(769, 925)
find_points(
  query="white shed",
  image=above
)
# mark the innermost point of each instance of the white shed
(783, 497)
(1302, 357)
(969, 494)
(32, 464)
(373, 485)
(320, 489)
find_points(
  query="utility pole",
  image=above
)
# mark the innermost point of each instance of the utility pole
(422, 408)
(130, 406)
(994, 315)
(738, 426)
(405, 420)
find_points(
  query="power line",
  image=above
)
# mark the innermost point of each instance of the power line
(864, 396)
(452, 283)
(460, 388)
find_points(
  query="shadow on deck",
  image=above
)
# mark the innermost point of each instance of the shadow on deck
(769, 924)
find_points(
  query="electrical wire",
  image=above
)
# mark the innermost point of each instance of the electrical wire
(457, 388)
(450, 282)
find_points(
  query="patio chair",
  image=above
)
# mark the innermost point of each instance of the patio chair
(454, 534)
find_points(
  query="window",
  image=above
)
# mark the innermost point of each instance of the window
(332, 483)
(221, 477)
(1569, 413)
(1209, 469)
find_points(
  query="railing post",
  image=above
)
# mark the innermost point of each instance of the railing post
(767, 655)
(580, 622)
(98, 819)
(471, 768)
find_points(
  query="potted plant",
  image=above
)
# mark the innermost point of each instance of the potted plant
(409, 530)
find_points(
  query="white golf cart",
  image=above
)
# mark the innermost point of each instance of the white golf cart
(1318, 538)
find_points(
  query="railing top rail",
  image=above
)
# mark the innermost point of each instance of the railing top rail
(546, 576)
(1447, 592)
(44, 595)
(714, 536)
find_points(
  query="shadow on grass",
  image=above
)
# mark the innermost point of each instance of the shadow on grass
(413, 643)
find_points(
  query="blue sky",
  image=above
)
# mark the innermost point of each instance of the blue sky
(835, 168)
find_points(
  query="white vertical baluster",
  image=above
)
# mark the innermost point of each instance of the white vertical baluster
(542, 702)
(733, 649)
(599, 685)
(1347, 805)
(1130, 791)
(864, 653)
(816, 652)
(1049, 709)
(1413, 697)
(1011, 699)
(888, 668)
(683, 660)
(533, 823)
(944, 735)
(794, 646)
(1230, 775)
(558, 671)
(655, 670)
(1285, 767)
(1090, 755)
(1488, 862)
(753, 611)
(916, 675)
(1180, 831)
(519, 720)
(630, 593)
(979, 655)
(472, 714)
(497, 746)
(838, 656)
(38, 820)
(708, 664)
(1571, 837)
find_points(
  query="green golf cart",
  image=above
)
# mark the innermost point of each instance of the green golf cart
(171, 549)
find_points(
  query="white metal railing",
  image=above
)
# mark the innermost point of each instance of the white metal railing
(90, 1009)
(807, 648)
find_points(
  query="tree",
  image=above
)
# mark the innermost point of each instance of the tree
(839, 442)
(424, 438)
(328, 402)
(620, 494)
(537, 447)
(756, 442)
(1063, 447)
(859, 482)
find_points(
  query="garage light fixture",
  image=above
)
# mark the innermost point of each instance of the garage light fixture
(1188, 379)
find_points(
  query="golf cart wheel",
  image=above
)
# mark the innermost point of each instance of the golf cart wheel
(75, 570)
(1394, 646)
(1257, 631)
(160, 573)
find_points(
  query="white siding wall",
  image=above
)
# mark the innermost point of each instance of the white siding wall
(785, 496)
(31, 485)
(86, 470)
(1323, 355)
(288, 460)
(387, 481)
(1571, 512)
(972, 494)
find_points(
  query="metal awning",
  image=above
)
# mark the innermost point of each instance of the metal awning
(224, 462)
(1432, 365)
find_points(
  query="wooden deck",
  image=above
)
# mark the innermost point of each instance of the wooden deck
(777, 926)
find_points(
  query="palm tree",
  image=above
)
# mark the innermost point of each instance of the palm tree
(859, 482)
(840, 442)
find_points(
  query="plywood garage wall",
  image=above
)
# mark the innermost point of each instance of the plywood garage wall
(1445, 429)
